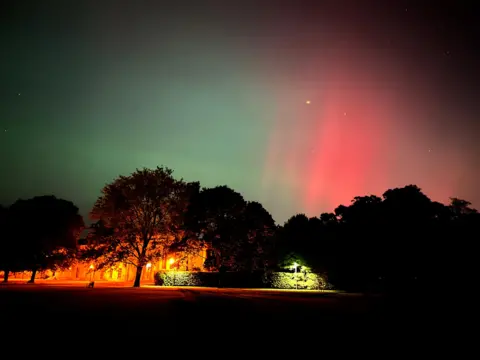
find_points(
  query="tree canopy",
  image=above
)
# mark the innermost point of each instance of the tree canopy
(237, 232)
(138, 216)
(42, 233)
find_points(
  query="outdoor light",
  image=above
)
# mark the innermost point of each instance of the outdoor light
(91, 274)
(149, 265)
(171, 261)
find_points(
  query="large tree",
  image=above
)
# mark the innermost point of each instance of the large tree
(237, 232)
(45, 230)
(139, 215)
(260, 231)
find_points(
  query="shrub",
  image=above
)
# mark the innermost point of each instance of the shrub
(300, 280)
(210, 279)
(185, 278)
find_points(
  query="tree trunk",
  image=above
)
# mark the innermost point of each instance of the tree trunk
(138, 276)
(32, 279)
(6, 272)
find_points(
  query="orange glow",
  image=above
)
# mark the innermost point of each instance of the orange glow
(171, 261)
(91, 266)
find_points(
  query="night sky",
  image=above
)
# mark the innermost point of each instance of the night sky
(300, 106)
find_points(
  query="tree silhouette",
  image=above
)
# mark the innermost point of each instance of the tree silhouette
(459, 208)
(458, 251)
(258, 245)
(237, 232)
(328, 219)
(139, 216)
(45, 230)
(301, 237)
(293, 239)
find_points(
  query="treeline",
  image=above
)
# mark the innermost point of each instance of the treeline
(398, 241)
(402, 239)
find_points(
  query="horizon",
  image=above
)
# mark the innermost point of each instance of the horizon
(88, 221)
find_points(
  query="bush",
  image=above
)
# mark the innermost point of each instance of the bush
(186, 278)
(300, 280)
(210, 279)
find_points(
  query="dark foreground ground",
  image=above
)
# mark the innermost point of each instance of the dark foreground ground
(149, 313)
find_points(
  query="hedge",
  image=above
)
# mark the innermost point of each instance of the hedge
(186, 278)
(301, 281)
(275, 280)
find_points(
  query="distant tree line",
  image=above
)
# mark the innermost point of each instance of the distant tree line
(400, 240)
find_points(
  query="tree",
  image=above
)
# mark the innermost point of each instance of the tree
(257, 245)
(237, 232)
(359, 240)
(458, 249)
(45, 230)
(328, 219)
(139, 215)
(459, 207)
(408, 205)
(214, 218)
(312, 240)
(293, 240)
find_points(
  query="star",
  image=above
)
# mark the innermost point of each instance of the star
(19, 94)
(344, 114)
(308, 102)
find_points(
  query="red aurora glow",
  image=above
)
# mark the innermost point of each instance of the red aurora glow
(354, 139)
